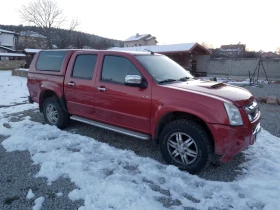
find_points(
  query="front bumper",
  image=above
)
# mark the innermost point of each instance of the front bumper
(230, 140)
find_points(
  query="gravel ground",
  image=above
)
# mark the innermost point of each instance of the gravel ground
(15, 181)
(18, 176)
(270, 113)
(267, 90)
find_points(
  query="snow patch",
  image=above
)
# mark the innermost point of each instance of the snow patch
(59, 194)
(30, 194)
(38, 203)
(13, 89)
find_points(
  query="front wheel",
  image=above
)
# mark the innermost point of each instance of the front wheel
(185, 144)
(54, 114)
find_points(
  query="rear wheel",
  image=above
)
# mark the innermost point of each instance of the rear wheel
(185, 144)
(54, 114)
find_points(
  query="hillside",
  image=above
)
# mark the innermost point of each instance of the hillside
(63, 38)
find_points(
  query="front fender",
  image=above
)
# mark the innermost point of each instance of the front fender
(208, 112)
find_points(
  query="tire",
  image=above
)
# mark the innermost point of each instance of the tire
(54, 114)
(185, 144)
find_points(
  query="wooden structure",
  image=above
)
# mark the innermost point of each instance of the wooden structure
(185, 54)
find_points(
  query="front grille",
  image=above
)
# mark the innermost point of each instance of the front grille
(252, 110)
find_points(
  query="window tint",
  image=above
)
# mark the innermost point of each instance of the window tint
(50, 60)
(84, 66)
(115, 69)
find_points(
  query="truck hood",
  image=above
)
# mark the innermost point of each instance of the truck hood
(237, 95)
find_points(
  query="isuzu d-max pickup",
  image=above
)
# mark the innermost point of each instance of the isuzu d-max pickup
(147, 96)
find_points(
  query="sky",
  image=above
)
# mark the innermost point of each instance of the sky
(216, 22)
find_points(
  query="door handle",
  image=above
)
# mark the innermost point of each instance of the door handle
(103, 89)
(72, 84)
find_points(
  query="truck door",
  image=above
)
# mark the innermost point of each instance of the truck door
(79, 84)
(118, 104)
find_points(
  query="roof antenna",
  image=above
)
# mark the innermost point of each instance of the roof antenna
(150, 51)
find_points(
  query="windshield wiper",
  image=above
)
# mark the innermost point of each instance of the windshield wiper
(184, 78)
(167, 80)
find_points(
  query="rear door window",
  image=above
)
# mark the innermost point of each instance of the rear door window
(50, 60)
(84, 66)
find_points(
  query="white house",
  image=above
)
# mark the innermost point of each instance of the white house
(140, 40)
(7, 41)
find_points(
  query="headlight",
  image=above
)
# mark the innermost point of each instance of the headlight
(233, 113)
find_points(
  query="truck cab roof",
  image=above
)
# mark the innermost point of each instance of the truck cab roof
(114, 51)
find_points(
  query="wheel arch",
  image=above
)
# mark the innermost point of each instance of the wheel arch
(49, 93)
(172, 116)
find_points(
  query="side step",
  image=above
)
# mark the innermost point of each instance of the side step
(112, 128)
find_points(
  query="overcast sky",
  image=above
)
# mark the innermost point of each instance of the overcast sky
(255, 23)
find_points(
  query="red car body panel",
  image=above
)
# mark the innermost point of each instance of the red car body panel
(141, 109)
(122, 105)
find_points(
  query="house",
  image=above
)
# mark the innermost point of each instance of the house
(233, 50)
(191, 56)
(7, 41)
(31, 39)
(140, 40)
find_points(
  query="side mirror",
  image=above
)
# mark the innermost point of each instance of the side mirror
(135, 81)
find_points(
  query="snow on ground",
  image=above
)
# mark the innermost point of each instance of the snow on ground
(15, 109)
(30, 194)
(38, 203)
(59, 194)
(110, 178)
(228, 80)
(13, 89)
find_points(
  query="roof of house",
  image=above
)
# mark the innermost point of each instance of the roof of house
(27, 50)
(32, 34)
(151, 37)
(7, 32)
(7, 48)
(12, 55)
(184, 47)
(137, 37)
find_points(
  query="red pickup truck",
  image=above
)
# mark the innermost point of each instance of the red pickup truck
(147, 96)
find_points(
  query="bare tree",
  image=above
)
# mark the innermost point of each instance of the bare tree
(44, 14)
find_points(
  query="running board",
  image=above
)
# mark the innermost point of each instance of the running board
(112, 128)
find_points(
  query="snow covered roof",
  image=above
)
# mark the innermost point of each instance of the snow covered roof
(150, 38)
(12, 55)
(136, 37)
(7, 48)
(160, 48)
(32, 50)
(32, 34)
(7, 32)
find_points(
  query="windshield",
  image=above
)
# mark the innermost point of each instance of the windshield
(163, 69)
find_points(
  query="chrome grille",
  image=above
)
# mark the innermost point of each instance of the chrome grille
(252, 110)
